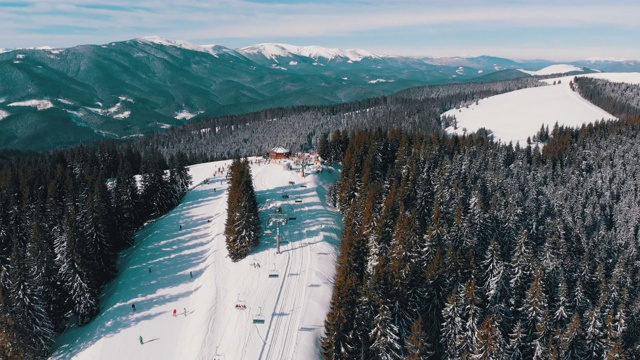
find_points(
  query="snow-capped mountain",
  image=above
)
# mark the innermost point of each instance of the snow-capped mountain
(79, 91)
(276, 52)
(214, 50)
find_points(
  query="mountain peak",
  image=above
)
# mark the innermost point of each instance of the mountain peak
(275, 50)
(214, 50)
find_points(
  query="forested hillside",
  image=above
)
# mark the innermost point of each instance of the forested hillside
(300, 128)
(460, 248)
(619, 99)
(63, 219)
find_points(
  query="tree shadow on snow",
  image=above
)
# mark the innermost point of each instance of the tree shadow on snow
(163, 257)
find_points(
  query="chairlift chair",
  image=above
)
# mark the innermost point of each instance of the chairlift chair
(218, 356)
(241, 304)
(258, 318)
(273, 273)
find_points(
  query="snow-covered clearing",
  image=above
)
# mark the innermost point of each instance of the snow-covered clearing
(38, 104)
(155, 275)
(516, 115)
(553, 69)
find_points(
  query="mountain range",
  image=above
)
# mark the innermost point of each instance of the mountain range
(51, 98)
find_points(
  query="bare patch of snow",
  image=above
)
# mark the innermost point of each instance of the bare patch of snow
(276, 66)
(124, 98)
(123, 115)
(186, 115)
(64, 101)
(38, 104)
(379, 81)
(3, 114)
(20, 56)
(293, 62)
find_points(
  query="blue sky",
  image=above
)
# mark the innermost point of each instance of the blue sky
(555, 30)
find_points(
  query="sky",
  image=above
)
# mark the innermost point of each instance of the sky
(535, 29)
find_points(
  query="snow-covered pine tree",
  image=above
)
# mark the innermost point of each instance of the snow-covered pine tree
(385, 337)
(242, 229)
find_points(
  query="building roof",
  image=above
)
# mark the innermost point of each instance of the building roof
(279, 150)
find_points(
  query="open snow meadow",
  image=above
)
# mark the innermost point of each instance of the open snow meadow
(217, 302)
(516, 115)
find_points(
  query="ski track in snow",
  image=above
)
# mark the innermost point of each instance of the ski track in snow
(294, 304)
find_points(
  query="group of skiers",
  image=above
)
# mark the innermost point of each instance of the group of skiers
(175, 311)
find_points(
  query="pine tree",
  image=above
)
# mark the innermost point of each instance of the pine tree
(385, 338)
(490, 343)
(242, 229)
(417, 345)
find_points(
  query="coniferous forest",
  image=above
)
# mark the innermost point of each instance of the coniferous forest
(63, 219)
(459, 248)
(242, 229)
(454, 247)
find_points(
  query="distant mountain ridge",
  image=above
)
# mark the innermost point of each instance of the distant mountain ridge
(52, 98)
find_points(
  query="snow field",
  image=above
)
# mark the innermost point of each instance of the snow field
(294, 304)
(516, 115)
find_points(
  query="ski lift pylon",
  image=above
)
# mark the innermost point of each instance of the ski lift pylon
(273, 273)
(258, 318)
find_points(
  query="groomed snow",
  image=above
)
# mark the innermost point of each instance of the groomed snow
(293, 305)
(553, 69)
(516, 115)
(38, 104)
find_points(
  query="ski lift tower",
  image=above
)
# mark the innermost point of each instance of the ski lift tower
(279, 219)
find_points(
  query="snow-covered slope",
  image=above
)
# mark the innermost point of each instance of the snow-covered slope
(519, 114)
(273, 51)
(554, 69)
(155, 276)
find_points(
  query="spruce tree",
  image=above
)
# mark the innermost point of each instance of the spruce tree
(242, 228)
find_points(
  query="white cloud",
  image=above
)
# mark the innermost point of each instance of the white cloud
(194, 19)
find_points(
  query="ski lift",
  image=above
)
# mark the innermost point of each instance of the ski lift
(218, 356)
(258, 318)
(241, 304)
(273, 273)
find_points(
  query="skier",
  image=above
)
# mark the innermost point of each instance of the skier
(133, 307)
(191, 274)
(175, 312)
(141, 341)
(180, 226)
(149, 269)
(185, 311)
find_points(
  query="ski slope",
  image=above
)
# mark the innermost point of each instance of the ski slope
(208, 325)
(516, 115)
